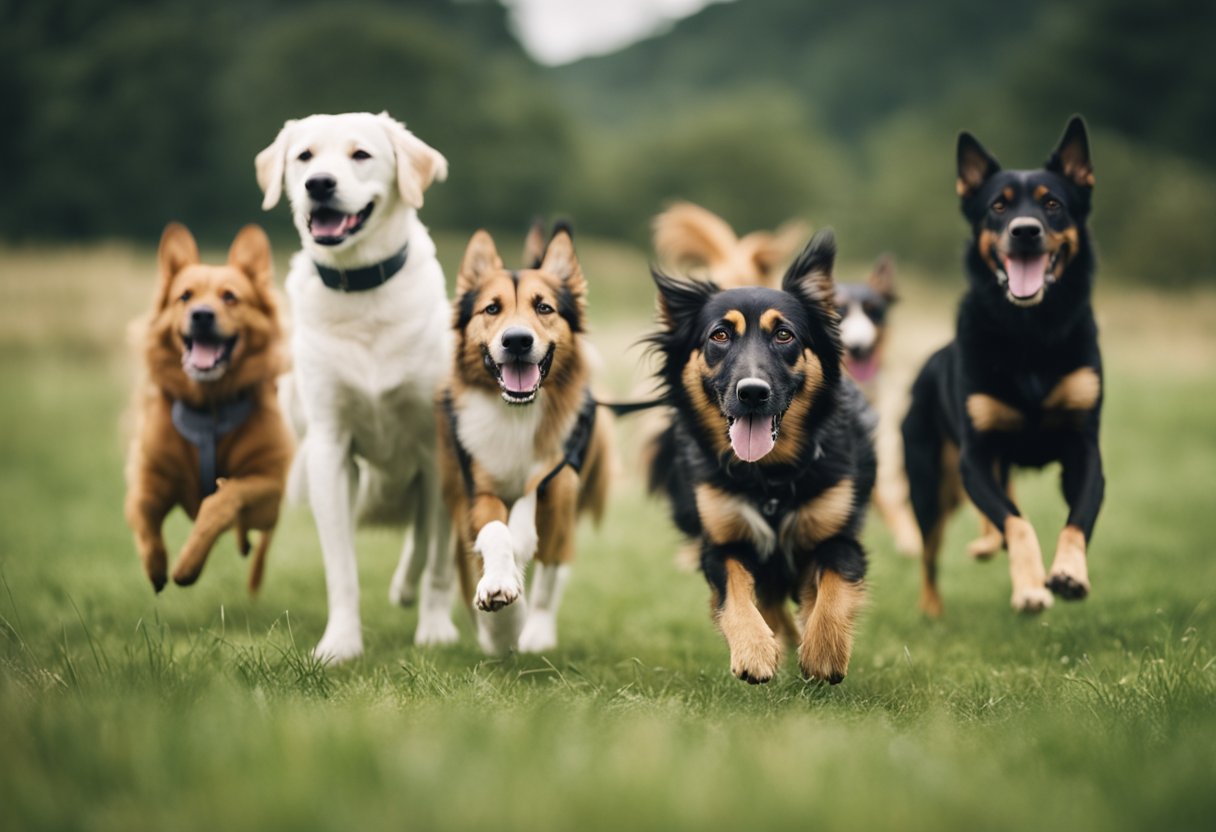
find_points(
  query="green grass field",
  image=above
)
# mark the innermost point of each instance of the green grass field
(201, 709)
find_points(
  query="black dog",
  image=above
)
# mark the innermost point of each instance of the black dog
(768, 461)
(1021, 384)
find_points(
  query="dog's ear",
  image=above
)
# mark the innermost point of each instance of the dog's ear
(250, 252)
(418, 164)
(562, 262)
(882, 277)
(681, 301)
(771, 249)
(975, 165)
(271, 164)
(177, 251)
(534, 245)
(809, 277)
(1071, 159)
(480, 259)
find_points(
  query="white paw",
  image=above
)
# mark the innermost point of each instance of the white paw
(1031, 599)
(339, 644)
(498, 589)
(435, 627)
(539, 633)
(498, 634)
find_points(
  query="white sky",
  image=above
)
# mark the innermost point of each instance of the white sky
(560, 31)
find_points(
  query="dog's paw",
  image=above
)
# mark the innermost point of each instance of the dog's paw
(539, 633)
(986, 546)
(435, 628)
(1031, 599)
(1069, 576)
(930, 603)
(400, 592)
(755, 660)
(339, 644)
(825, 660)
(498, 589)
(1068, 587)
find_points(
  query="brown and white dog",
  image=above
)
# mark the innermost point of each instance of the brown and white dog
(521, 449)
(210, 435)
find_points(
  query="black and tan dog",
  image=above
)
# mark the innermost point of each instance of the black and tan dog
(1021, 384)
(768, 461)
(522, 451)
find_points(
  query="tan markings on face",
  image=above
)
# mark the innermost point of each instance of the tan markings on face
(1069, 241)
(730, 519)
(1079, 390)
(1008, 193)
(827, 636)
(517, 304)
(988, 248)
(1040, 191)
(227, 292)
(820, 518)
(991, 414)
(754, 649)
(769, 320)
(711, 418)
(790, 438)
(735, 318)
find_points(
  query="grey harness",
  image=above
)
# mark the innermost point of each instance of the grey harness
(205, 428)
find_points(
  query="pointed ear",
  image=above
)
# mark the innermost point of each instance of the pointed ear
(534, 245)
(270, 166)
(250, 252)
(560, 259)
(177, 251)
(480, 259)
(975, 165)
(418, 164)
(680, 301)
(882, 278)
(1071, 159)
(810, 276)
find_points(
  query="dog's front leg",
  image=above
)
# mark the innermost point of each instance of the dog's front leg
(1084, 487)
(331, 491)
(498, 597)
(832, 595)
(218, 513)
(754, 649)
(146, 512)
(432, 535)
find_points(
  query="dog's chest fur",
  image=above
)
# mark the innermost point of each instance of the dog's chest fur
(502, 438)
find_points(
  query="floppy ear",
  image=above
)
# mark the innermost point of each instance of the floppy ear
(418, 164)
(1071, 157)
(534, 245)
(177, 251)
(250, 252)
(975, 165)
(270, 165)
(882, 278)
(480, 258)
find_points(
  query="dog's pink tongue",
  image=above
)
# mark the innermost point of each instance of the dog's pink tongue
(204, 356)
(752, 437)
(520, 376)
(1026, 274)
(862, 369)
(329, 223)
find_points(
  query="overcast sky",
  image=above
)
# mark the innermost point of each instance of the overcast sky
(560, 31)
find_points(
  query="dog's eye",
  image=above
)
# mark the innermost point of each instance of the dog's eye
(999, 206)
(185, 296)
(719, 336)
(1052, 204)
(783, 335)
(229, 297)
(492, 309)
(360, 155)
(305, 156)
(543, 308)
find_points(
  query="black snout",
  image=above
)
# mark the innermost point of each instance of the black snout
(1026, 231)
(202, 319)
(753, 393)
(321, 187)
(517, 341)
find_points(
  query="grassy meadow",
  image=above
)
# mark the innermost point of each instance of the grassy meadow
(201, 709)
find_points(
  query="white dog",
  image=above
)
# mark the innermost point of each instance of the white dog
(371, 343)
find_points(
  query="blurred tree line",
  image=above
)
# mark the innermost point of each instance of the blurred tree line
(122, 114)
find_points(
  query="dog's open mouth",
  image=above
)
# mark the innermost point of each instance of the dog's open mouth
(753, 437)
(862, 364)
(207, 360)
(518, 380)
(1027, 276)
(329, 227)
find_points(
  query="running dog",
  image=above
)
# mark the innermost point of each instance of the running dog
(370, 348)
(1021, 384)
(210, 435)
(768, 461)
(522, 452)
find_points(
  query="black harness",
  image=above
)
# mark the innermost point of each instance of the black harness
(204, 428)
(368, 277)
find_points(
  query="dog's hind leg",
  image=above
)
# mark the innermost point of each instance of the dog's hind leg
(991, 540)
(1084, 486)
(933, 484)
(432, 534)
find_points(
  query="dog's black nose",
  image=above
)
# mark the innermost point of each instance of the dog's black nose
(1025, 229)
(753, 392)
(517, 341)
(202, 318)
(321, 186)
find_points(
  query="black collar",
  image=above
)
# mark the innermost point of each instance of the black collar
(204, 427)
(368, 277)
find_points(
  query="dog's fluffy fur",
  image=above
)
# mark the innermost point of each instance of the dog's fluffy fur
(1021, 384)
(212, 337)
(519, 383)
(367, 365)
(768, 461)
